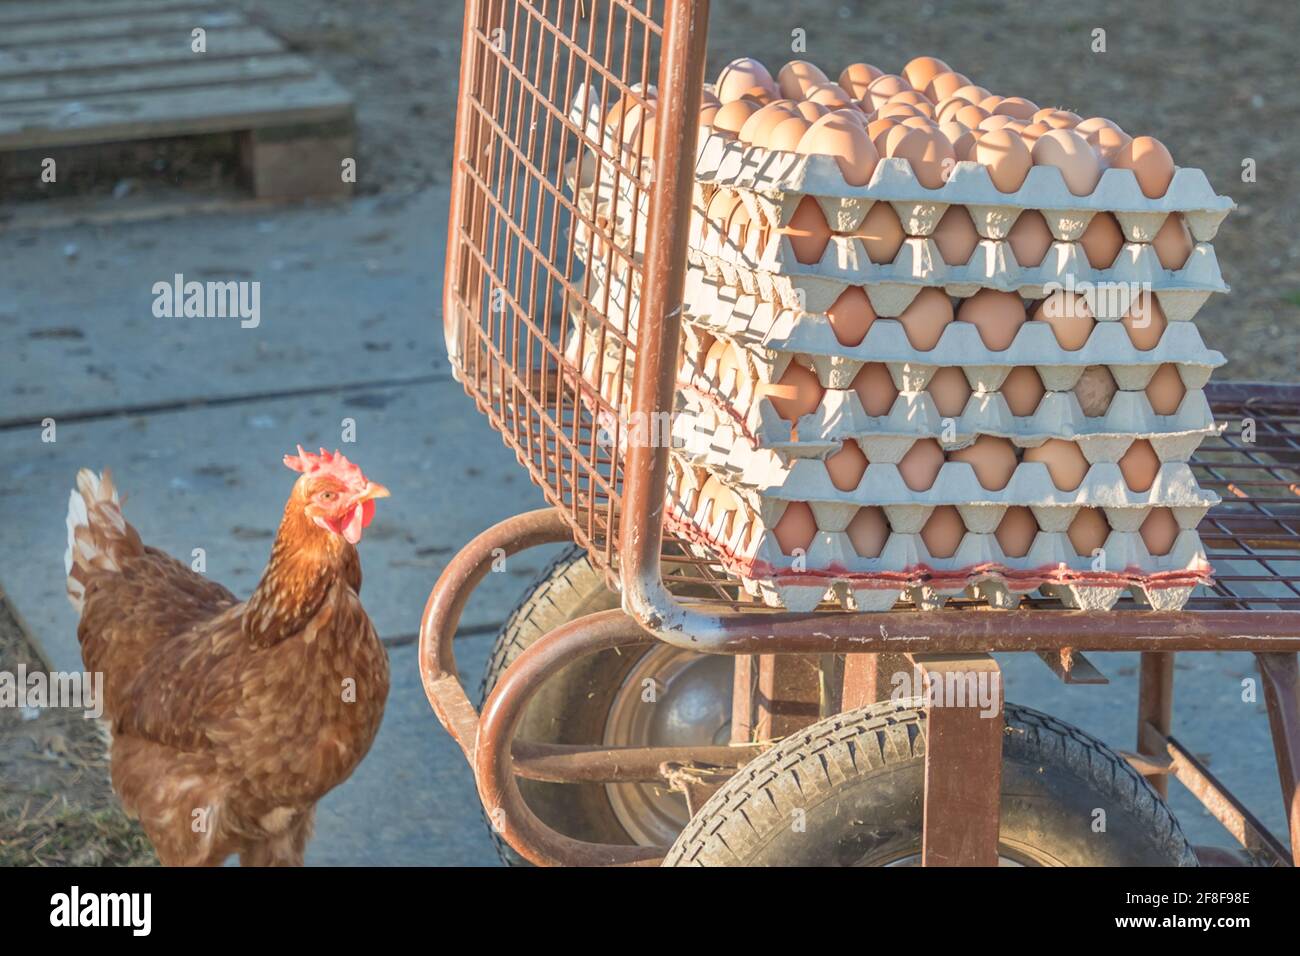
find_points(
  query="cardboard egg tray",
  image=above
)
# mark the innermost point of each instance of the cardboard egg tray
(721, 439)
(770, 270)
(771, 335)
(832, 571)
(779, 180)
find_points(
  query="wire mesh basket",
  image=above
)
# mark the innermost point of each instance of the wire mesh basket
(552, 186)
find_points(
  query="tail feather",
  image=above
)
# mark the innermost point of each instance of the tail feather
(99, 538)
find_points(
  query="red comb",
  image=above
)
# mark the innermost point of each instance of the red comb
(334, 465)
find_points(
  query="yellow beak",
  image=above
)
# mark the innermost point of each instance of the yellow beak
(373, 490)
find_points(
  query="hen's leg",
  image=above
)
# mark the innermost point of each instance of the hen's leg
(286, 847)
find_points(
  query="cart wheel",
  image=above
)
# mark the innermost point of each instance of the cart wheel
(599, 700)
(857, 778)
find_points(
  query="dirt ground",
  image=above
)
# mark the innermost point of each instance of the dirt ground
(56, 807)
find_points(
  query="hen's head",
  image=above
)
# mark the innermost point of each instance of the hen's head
(334, 493)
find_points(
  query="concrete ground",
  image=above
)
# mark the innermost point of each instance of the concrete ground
(193, 415)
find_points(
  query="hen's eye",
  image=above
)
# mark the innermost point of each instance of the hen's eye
(329, 495)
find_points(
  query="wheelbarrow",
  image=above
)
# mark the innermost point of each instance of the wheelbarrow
(638, 707)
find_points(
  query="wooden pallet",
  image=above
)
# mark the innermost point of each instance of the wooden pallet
(82, 72)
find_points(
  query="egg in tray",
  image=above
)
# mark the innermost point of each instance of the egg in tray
(938, 341)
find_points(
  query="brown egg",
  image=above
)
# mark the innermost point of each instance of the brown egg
(1108, 141)
(759, 95)
(722, 209)
(882, 88)
(1173, 243)
(990, 102)
(948, 109)
(856, 77)
(1102, 241)
(1023, 390)
(732, 373)
(949, 390)
(881, 233)
(899, 112)
(853, 113)
(875, 388)
(707, 114)
(929, 153)
(785, 136)
(1145, 321)
(830, 95)
(761, 122)
(1070, 153)
(997, 315)
(1095, 389)
(796, 529)
(1007, 158)
(1016, 531)
(811, 111)
(1159, 531)
(868, 532)
(878, 130)
(955, 236)
(972, 94)
(1031, 133)
(796, 393)
(847, 466)
(732, 117)
(1064, 461)
(1058, 119)
(994, 121)
(971, 116)
(943, 531)
(738, 230)
(920, 466)
(962, 139)
(808, 231)
(708, 98)
(1151, 163)
(740, 76)
(851, 316)
(1139, 465)
(797, 77)
(716, 500)
(1069, 316)
(993, 460)
(713, 359)
(1030, 238)
(1088, 531)
(1017, 107)
(847, 141)
(914, 98)
(1086, 128)
(1165, 391)
(919, 122)
(944, 85)
(922, 69)
(926, 318)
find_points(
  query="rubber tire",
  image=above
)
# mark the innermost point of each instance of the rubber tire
(858, 776)
(571, 707)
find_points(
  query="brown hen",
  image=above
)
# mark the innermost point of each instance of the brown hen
(231, 719)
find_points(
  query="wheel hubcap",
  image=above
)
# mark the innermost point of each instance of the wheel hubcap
(671, 698)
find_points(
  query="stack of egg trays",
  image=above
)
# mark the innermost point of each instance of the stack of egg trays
(773, 308)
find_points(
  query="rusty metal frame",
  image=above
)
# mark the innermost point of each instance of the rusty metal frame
(612, 500)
